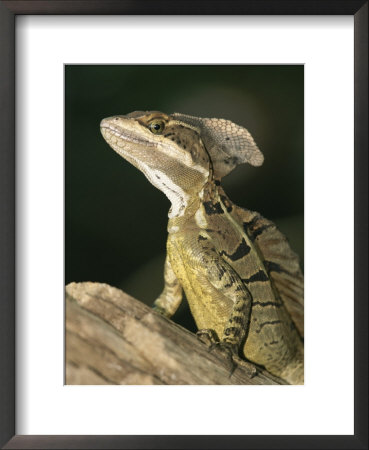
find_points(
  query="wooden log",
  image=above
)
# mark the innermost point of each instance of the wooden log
(111, 338)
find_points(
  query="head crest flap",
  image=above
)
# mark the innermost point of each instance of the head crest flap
(228, 144)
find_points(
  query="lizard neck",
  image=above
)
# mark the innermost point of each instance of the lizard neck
(197, 206)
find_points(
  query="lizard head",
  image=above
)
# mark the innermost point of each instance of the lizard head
(179, 153)
(170, 154)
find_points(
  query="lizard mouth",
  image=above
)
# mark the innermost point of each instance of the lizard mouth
(108, 130)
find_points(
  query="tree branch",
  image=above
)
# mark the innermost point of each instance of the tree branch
(111, 338)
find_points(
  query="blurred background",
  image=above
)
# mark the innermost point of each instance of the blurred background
(115, 220)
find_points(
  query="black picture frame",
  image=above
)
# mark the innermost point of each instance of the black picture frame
(8, 12)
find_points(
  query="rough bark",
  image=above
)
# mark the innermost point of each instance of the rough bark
(111, 338)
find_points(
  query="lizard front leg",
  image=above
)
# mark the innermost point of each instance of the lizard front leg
(224, 279)
(171, 297)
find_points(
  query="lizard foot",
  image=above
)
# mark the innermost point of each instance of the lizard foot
(227, 351)
(160, 310)
(230, 354)
(207, 337)
(234, 360)
(250, 368)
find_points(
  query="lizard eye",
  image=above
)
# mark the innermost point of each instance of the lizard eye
(156, 127)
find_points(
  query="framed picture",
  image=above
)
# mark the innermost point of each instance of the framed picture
(284, 75)
(200, 90)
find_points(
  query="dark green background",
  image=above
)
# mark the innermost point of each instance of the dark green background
(115, 220)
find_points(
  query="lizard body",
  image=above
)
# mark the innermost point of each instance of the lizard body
(241, 279)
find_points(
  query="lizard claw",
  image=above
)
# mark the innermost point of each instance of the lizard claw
(229, 354)
(160, 310)
(251, 368)
(225, 349)
(234, 360)
(207, 337)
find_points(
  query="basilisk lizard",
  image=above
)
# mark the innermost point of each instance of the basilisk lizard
(242, 281)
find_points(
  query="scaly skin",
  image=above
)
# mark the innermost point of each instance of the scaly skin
(240, 277)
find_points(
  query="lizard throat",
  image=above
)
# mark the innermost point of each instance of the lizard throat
(176, 195)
